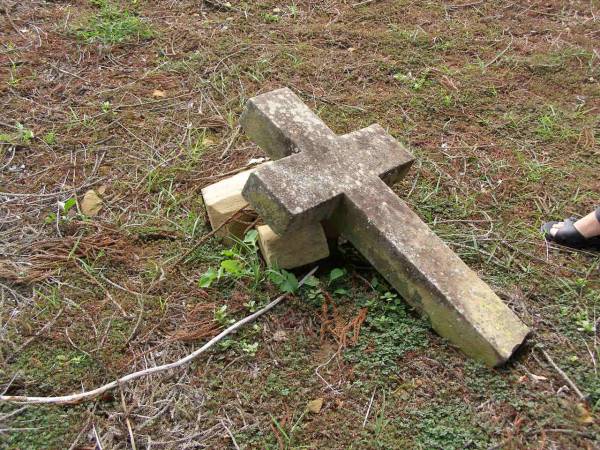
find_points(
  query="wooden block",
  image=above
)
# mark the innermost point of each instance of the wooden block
(295, 248)
(222, 200)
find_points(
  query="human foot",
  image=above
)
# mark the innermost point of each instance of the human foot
(583, 233)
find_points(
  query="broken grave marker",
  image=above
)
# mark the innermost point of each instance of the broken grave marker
(342, 179)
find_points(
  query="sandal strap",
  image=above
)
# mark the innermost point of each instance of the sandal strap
(568, 234)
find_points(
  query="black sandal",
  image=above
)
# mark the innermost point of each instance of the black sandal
(569, 236)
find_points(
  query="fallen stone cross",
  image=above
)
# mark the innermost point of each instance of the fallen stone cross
(320, 176)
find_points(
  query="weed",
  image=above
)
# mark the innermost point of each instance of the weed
(48, 300)
(275, 385)
(50, 138)
(380, 421)
(159, 178)
(535, 171)
(49, 367)
(388, 333)
(293, 10)
(222, 317)
(288, 435)
(14, 79)
(448, 425)
(284, 280)
(25, 135)
(550, 127)
(249, 348)
(199, 146)
(63, 212)
(106, 107)
(271, 18)
(415, 83)
(259, 71)
(113, 26)
(416, 37)
(242, 262)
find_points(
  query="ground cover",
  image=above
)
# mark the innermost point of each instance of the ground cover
(139, 101)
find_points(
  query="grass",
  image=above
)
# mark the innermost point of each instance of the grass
(112, 25)
(505, 133)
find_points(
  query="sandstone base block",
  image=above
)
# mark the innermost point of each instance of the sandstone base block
(294, 249)
(222, 200)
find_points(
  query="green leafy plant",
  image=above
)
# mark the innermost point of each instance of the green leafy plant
(106, 107)
(14, 79)
(222, 316)
(208, 277)
(293, 8)
(284, 280)
(50, 138)
(241, 262)
(271, 18)
(335, 276)
(416, 84)
(25, 134)
(251, 305)
(249, 348)
(63, 211)
(584, 323)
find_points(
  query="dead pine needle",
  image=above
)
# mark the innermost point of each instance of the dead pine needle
(88, 395)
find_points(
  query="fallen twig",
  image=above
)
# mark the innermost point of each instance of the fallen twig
(87, 395)
(562, 374)
(369, 408)
(234, 136)
(127, 421)
(233, 441)
(499, 55)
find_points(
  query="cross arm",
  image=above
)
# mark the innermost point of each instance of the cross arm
(376, 150)
(281, 124)
(294, 192)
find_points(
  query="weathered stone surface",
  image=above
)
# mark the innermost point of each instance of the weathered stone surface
(295, 248)
(342, 179)
(222, 200)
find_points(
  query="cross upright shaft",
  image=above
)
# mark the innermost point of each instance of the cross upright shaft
(321, 176)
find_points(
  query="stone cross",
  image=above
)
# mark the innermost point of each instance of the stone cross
(344, 180)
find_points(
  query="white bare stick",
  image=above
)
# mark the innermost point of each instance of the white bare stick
(562, 374)
(127, 421)
(369, 408)
(87, 395)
